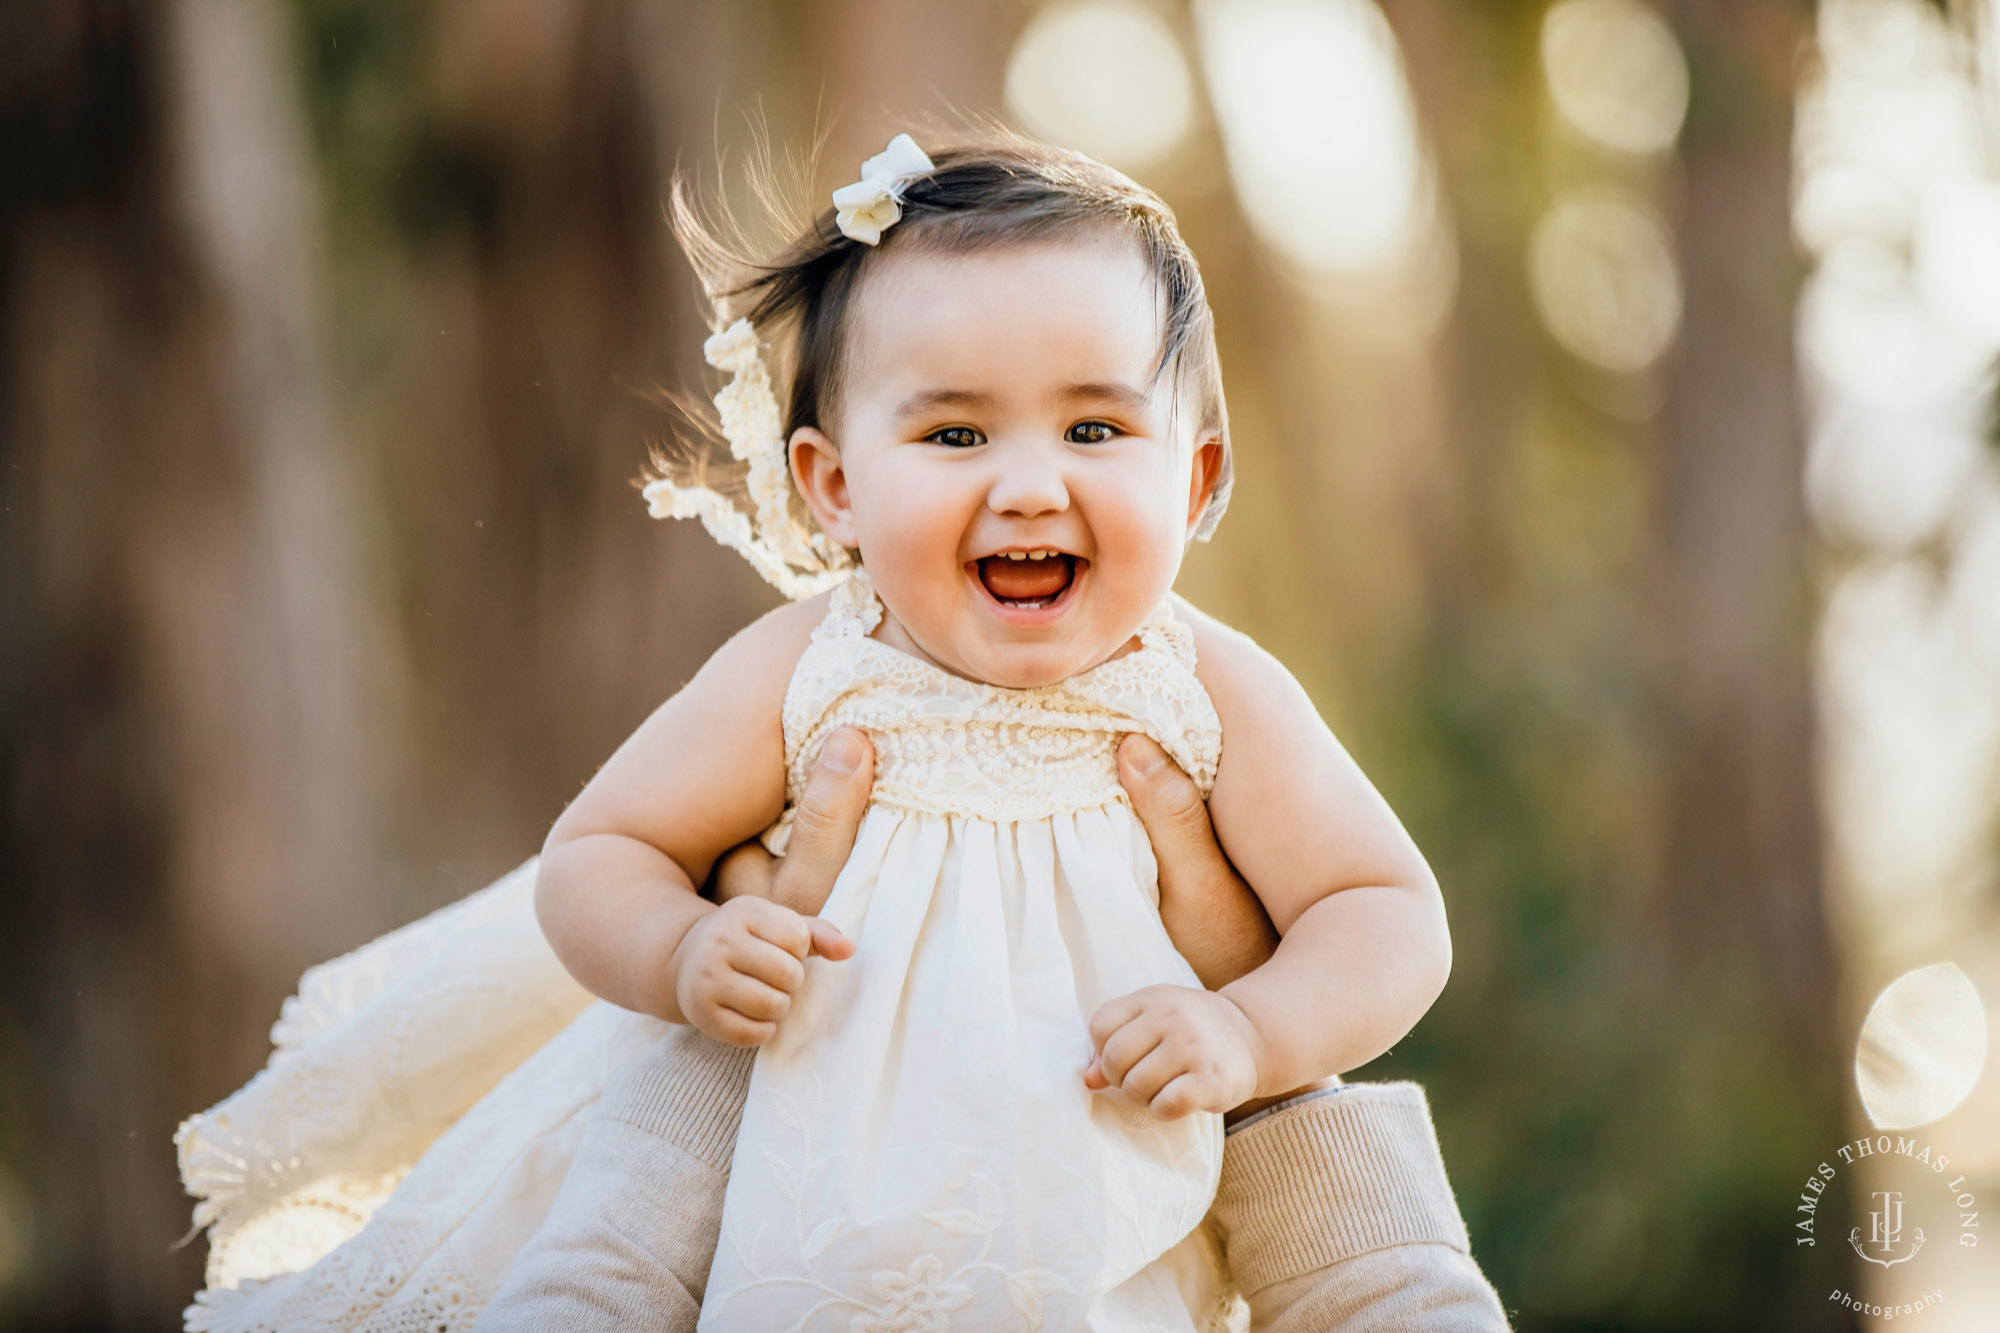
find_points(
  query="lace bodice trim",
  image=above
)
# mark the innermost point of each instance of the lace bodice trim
(948, 745)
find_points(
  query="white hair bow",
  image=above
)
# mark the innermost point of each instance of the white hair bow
(874, 203)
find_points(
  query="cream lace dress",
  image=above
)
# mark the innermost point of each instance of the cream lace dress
(917, 1151)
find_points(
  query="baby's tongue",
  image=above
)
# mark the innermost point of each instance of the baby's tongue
(1024, 580)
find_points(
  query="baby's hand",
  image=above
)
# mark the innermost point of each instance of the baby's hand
(736, 969)
(1174, 1049)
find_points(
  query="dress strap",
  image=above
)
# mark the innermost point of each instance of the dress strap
(1167, 633)
(853, 611)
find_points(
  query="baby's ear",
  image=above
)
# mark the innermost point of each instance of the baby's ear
(817, 473)
(1210, 457)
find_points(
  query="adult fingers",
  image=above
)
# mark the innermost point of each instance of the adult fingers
(1176, 818)
(745, 870)
(825, 821)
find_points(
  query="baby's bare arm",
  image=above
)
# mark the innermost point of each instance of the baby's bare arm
(616, 894)
(1365, 949)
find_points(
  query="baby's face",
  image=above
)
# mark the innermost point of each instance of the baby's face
(1004, 462)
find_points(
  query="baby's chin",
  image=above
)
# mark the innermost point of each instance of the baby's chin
(1027, 665)
(968, 641)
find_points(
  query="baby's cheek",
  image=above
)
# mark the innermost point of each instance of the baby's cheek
(1144, 532)
(910, 546)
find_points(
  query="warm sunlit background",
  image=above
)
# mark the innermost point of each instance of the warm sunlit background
(1613, 392)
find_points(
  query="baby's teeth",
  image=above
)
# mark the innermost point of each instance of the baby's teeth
(1017, 555)
(1038, 555)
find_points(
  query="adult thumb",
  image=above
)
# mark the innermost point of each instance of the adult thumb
(825, 822)
(1169, 805)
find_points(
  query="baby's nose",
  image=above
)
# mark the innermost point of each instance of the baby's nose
(1029, 483)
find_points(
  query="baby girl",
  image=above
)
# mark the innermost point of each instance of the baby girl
(988, 1088)
(1009, 406)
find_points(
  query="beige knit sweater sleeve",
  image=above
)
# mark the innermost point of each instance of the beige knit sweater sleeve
(628, 1241)
(1334, 1214)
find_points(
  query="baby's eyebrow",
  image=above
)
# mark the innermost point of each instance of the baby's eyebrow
(1106, 391)
(925, 401)
(929, 400)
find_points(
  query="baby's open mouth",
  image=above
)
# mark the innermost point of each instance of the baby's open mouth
(1027, 579)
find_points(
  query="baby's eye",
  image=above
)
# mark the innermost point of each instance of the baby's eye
(1090, 432)
(956, 437)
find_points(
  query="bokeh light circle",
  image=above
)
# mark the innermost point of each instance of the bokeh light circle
(1105, 77)
(1615, 72)
(1958, 256)
(1320, 129)
(1922, 1047)
(1602, 271)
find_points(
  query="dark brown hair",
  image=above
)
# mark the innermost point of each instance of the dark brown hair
(996, 189)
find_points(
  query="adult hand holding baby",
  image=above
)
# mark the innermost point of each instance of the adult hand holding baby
(1207, 1061)
(1211, 913)
(824, 823)
(1178, 1049)
(736, 970)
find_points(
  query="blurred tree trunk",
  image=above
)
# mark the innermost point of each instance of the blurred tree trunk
(188, 637)
(1611, 730)
(1743, 872)
(548, 615)
(272, 638)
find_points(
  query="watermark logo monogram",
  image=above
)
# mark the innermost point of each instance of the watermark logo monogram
(1885, 1232)
(1912, 1184)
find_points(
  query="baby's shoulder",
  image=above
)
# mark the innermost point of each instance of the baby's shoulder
(1224, 655)
(1259, 701)
(759, 659)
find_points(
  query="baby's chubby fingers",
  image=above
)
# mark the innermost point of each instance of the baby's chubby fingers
(1115, 1014)
(755, 1000)
(797, 935)
(1119, 1036)
(1183, 1095)
(736, 969)
(1152, 1071)
(771, 923)
(1174, 1049)
(1128, 1048)
(733, 1029)
(765, 962)
(1110, 1016)
(827, 941)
